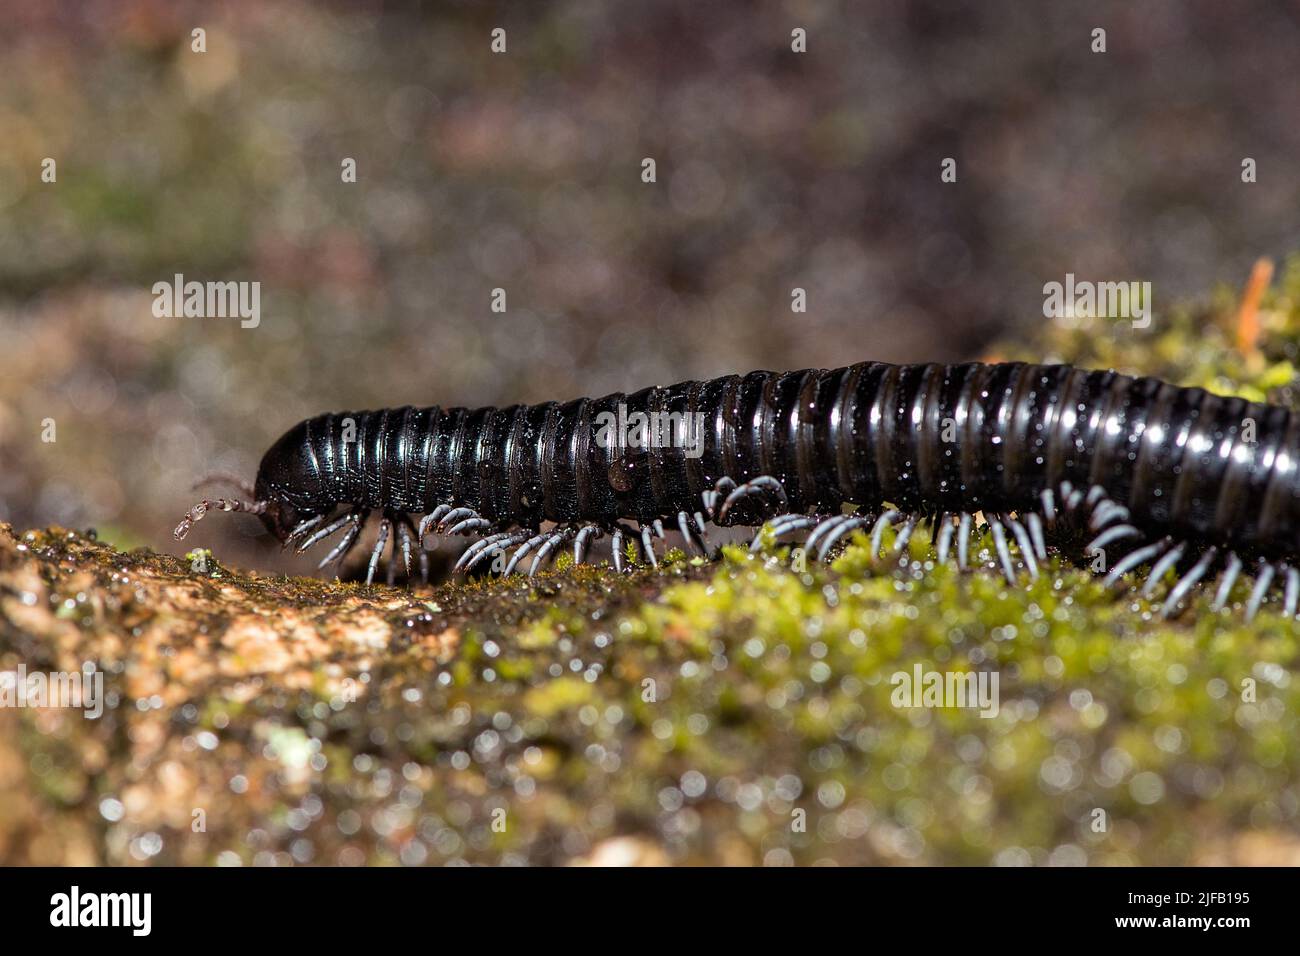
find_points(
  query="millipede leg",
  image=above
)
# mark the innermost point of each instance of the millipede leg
(617, 546)
(486, 547)
(963, 540)
(522, 552)
(1035, 525)
(1049, 506)
(302, 528)
(349, 539)
(692, 537)
(1262, 582)
(840, 530)
(326, 531)
(404, 536)
(1106, 513)
(462, 521)
(1226, 581)
(763, 484)
(384, 526)
(1133, 559)
(622, 536)
(878, 532)
(700, 529)
(512, 538)
(783, 525)
(582, 541)
(1186, 583)
(944, 543)
(1000, 546)
(905, 533)
(432, 518)
(1111, 535)
(454, 515)
(648, 531)
(1026, 546)
(401, 543)
(824, 526)
(1161, 568)
(712, 498)
(552, 543)
(477, 547)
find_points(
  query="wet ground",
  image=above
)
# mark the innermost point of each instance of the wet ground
(733, 713)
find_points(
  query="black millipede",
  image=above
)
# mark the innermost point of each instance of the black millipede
(1149, 474)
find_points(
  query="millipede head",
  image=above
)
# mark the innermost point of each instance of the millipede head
(285, 515)
(282, 519)
(266, 498)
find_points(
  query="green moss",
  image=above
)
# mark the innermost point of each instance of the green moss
(558, 696)
(1189, 344)
(1094, 694)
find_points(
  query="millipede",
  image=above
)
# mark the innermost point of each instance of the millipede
(1155, 476)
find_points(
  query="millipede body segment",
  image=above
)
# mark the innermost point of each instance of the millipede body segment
(1146, 472)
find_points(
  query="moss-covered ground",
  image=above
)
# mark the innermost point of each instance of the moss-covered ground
(737, 712)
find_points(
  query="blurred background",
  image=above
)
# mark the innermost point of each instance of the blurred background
(522, 171)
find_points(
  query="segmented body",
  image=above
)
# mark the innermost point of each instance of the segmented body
(1136, 461)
